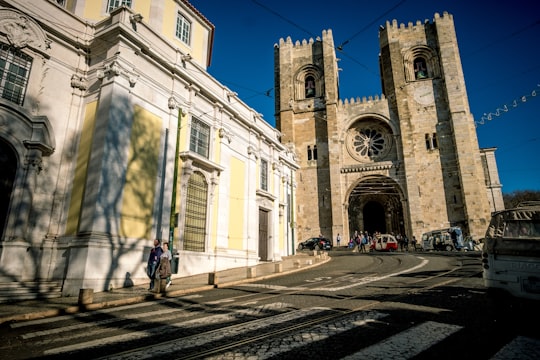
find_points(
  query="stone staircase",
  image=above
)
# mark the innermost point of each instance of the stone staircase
(31, 290)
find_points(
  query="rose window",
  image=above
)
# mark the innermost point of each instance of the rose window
(369, 142)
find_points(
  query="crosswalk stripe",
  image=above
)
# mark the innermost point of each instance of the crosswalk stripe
(187, 342)
(407, 344)
(521, 347)
(98, 323)
(31, 323)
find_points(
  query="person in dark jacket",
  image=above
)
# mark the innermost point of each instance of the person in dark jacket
(153, 262)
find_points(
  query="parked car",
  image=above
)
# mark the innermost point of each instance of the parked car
(384, 242)
(316, 243)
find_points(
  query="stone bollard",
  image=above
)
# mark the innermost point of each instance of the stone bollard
(212, 278)
(278, 267)
(296, 264)
(86, 296)
(251, 272)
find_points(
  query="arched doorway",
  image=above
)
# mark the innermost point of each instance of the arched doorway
(8, 164)
(374, 217)
(375, 205)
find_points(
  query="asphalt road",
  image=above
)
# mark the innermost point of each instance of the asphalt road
(357, 306)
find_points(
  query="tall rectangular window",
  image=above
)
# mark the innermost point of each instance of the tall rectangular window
(200, 137)
(14, 73)
(264, 175)
(196, 204)
(183, 29)
(113, 4)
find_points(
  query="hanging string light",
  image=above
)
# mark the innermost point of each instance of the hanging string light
(505, 108)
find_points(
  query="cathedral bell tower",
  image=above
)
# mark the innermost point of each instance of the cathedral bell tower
(306, 83)
(423, 80)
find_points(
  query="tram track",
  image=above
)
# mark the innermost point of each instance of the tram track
(333, 314)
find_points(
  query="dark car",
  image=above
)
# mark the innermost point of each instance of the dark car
(316, 243)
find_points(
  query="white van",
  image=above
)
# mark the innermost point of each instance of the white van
(511, 252)
(443, 239)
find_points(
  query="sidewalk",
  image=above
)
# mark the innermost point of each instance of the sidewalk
(34, 309)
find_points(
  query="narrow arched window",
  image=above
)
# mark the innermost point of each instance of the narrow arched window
(310, 86)
(420, 68)
(314, 152)
(309, 156)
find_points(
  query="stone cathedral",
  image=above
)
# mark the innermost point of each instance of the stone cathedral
(407, 161)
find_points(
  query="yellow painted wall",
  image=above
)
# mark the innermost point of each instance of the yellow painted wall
(81, 168)
(141, 175)
(96, 10)
(237, 204)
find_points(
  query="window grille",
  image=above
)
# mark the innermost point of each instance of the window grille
(196, 203)
(113, 4)
(199, 139)
(183, 29)
(264, 175)
(14, 73)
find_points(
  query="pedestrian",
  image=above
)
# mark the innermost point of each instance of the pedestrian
(406, 242)
(363, 242)
(164, 268)
(153, 262)
(413, 241)
(338, 239)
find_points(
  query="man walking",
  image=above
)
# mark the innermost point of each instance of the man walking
(153, 262)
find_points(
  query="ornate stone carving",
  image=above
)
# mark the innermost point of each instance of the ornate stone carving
(21, 31)
(79, 82)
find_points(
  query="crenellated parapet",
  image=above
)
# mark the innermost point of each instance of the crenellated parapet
(299, 44)
(365, 101)
(418, 26)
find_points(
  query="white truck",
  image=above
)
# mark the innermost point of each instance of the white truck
(511, 252)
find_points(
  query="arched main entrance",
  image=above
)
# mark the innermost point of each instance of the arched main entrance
(375, 205)
(8, 164)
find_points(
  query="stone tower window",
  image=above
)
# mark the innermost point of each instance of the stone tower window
(312, 154)
(420, 68)
(309, 87)
(421, 62)
(431, 141)
(308, 83)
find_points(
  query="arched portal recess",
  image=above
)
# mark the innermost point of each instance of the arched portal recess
(8, 164)
(375, 205)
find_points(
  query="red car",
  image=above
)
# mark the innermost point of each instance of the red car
(384, 242)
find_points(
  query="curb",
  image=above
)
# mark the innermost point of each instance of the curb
(73, 309)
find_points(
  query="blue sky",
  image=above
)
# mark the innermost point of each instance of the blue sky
(499, 44)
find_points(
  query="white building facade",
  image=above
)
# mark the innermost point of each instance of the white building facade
(112, 133)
